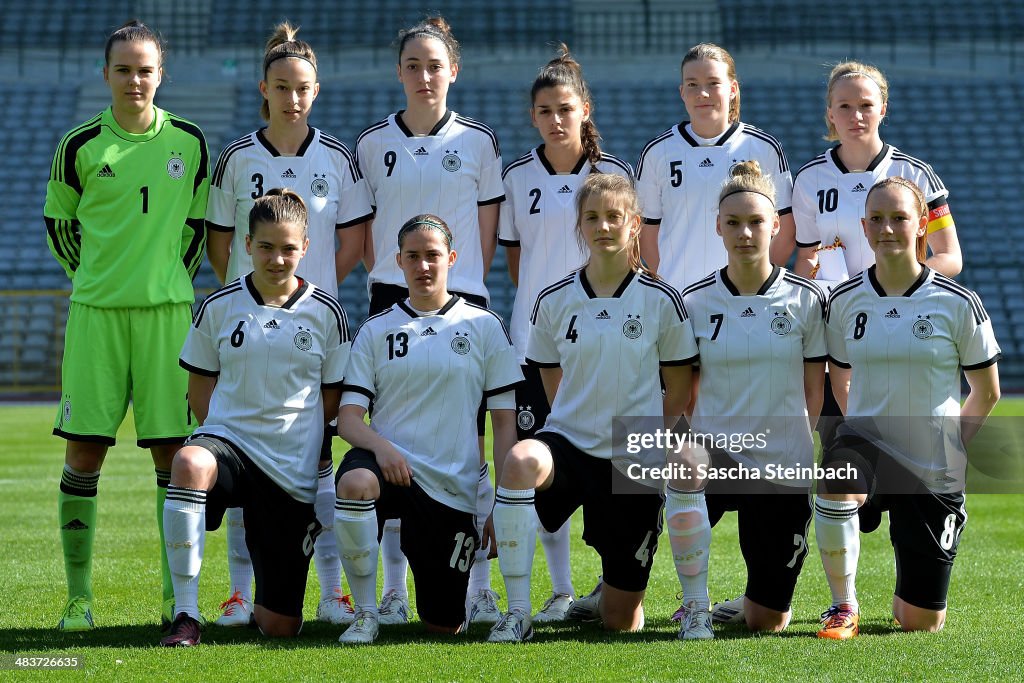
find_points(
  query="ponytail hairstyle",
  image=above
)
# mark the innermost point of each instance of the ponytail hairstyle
(616, 188)
(279, 205)
(852, 70)
(283, 44)
(920, 204)
(747, 177)
(424, 222)
(715, 53)
(435, 27)
(134, 31)
(565, 71)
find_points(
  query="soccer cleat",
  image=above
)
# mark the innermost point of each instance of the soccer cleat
(839, 622)
(483, 607)
(728, 612)
(555, 609)
(184, 632)
(235, 611)
(696, 623)
(363, 631)
(77, 615)
(513, 627)
(394, 609)
(587, 608)
(336, 609)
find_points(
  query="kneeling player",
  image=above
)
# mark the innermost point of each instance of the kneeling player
(426, 363)
(600, 337)
(761, 334)
(898, 335)
(266, 354)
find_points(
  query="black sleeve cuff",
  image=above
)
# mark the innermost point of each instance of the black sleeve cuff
(198, 371)
(651, 221)
(538, 364)
(807, 245)
(358, 389)
(785, 212)
(333, 385)
(816, 359)
(839, 363)
(219, 228)
(357, 221)
(677, 363)
(508, 243)
(991, 361)
(496, 200)
(501, 390)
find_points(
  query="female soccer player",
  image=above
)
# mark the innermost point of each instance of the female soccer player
(428, 159)
(600, 336)
(291, 153)
(829, 191)
(680, 171)
(536, 229)
(761, 334)
(899, 334)
(124, 213)
(266, 355)
(424, 362)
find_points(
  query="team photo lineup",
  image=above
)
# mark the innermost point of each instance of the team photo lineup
(650, 297)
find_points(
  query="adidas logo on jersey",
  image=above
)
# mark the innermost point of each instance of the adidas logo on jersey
(429, 332)
(749, 313)
(105, 172)
(75, 525)
(420, 152)
(272, 325)
(859, 187)
(603, 315)
(707, 163)
(565, 189)
(289, 173)
(893, 314)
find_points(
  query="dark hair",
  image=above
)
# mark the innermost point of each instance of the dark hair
(716, 53)
(920, 204)
(133, 31)
(746, 176)
(616, 187)
(435, 27)
(279, 205)
(425, 221)
(282, 44)
(565, 71)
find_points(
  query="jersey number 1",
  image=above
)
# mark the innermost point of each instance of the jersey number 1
(144, 191)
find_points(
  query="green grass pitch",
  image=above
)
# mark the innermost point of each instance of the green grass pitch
(981, 639)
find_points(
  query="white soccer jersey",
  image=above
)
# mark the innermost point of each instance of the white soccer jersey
(752, 354)
(610, 350)
(427, 374)
(906, 353)
(270, 363)
(323, 173)
(450, 173)
(828, 204)
(539, 216)
(678, 181)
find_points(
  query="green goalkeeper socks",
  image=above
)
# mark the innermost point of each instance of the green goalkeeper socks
(76, 514)
(163, 478)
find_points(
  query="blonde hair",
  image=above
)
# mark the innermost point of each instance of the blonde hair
(747, 177)
(852, 70)
(716, 53)
(616, 188)
(281, 45)
(920, 204)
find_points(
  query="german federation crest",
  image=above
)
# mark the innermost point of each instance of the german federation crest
(526, 419)
(175, 167)
(451, 161)
(303, 340)
(781, 324)
(632, 328)
(320, 187)
(460, 345)
(923, 328)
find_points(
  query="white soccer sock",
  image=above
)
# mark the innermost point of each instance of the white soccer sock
(395, 565)
(837, 528)
(239, 562)
(689, 533)
(325, 551)
(556, 550)
(515, 526)
(355, 527)
(185, 538)
(480, 574)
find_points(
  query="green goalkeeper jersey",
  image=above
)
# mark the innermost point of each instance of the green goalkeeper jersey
(124, 212)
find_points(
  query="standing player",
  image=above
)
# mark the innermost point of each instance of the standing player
(124, 216)
(829, 191)
(260, 440)
(536, 229)
(761, 334)
(899, 334)
(600, 337)
(424, 362)
(681, 171)
(291, 153)
(428, 159)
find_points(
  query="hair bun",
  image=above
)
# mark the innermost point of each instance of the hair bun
(750, 169)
